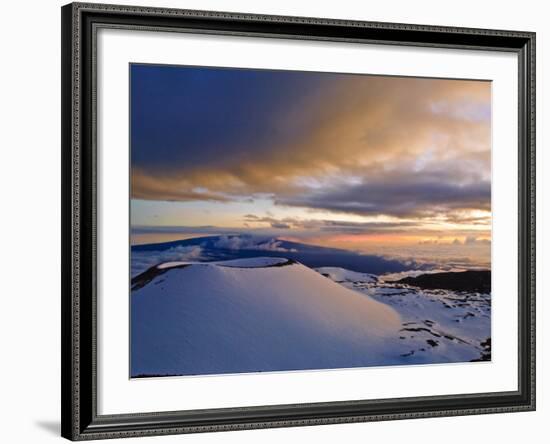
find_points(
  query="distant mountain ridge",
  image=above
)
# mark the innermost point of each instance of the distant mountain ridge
(244, 246)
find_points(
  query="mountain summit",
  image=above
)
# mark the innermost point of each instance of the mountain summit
(253, 315)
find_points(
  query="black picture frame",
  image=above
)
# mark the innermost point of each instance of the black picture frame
(78, 334)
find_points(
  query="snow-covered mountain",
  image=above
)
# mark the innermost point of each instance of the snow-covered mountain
(254, 315)
(234, 304)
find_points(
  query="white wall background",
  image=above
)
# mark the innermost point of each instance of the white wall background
(30, 220)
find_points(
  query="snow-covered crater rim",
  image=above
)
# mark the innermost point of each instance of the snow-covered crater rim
(147, 276)
(254, 262)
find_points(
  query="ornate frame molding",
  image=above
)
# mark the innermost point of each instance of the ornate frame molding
(80, 22)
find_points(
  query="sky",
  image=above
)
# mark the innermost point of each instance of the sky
(378, 164)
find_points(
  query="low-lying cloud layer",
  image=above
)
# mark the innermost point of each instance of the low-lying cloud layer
(250, 243)
(142, 260)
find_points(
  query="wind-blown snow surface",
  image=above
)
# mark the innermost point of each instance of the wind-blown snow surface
(342, 275)
(253, 315)
(438, 326)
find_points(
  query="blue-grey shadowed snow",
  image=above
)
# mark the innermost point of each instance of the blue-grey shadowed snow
(267, 314)
(215, 319)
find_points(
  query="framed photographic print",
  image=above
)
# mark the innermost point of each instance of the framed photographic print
(280, 221)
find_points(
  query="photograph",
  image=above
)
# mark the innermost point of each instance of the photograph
(288, 220)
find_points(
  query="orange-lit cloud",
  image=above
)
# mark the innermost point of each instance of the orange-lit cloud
(362, 127)
(414, 150)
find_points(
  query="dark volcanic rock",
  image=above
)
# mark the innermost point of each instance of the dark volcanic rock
(141, 280)
(486, 353)
(471, 281)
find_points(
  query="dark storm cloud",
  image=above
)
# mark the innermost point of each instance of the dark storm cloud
(193, 117)
(405, 197)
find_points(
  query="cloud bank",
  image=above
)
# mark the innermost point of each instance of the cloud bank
(402, 154)
(250, 243)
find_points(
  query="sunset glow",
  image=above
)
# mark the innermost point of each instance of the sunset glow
(377, 164)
